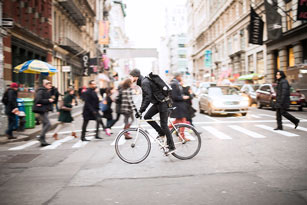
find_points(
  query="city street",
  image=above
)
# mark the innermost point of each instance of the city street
(242, 161)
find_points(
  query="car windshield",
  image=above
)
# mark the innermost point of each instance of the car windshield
(220, 91)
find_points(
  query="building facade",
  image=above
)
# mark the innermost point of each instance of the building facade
(30, 38)
(219, 39)
(289, 52)
(73, 38)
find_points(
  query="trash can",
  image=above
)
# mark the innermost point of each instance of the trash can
(30, 117)
(21, 107)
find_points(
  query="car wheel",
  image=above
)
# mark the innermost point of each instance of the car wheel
(272, 104)
(259, 105)
(209, 111)
(200, 110)
(244, 113)
(300, 108)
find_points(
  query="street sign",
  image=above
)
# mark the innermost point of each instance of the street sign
(7, 22)
(66, 68)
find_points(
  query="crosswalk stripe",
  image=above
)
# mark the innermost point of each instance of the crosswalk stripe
(24, 146)
(285, 133)
(81, 143)
(58, 143)
(246, 131)
(254, 116)
(298, 128)
(216, 132)
(266, 115)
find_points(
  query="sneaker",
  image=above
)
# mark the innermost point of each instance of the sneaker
(170, 151)
(108, 131)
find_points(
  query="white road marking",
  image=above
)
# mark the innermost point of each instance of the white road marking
(81, 143)
(216, 133)
(211, 118)
(238, 121)
(24, 146)
(255, 116)
(285, 133)
(266, 115)
(57, 143)
(298, 128)
(246, 131)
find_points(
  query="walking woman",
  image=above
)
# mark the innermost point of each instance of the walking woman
(127, 105)
(283, 101)
(108, 112)
(65, 114)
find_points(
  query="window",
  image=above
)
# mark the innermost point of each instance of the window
(181, 45)
(289, 15)
(260, 63)
(250, 63)
(290, 57)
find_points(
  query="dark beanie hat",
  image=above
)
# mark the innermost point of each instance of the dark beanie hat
(135, 73)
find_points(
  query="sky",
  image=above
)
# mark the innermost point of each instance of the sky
(145, 20)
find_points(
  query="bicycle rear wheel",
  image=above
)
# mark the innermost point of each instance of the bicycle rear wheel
(186, 149)
(134, 150)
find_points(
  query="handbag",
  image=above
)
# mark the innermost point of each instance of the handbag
(63, 107)
(103, 106)
(38, 108)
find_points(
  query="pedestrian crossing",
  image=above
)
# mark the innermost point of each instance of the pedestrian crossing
(219, 132)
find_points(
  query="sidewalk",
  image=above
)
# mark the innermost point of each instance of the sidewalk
(29, 134)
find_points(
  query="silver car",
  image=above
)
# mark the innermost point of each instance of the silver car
(222, 100)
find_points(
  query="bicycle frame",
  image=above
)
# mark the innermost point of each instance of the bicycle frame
(139, 127)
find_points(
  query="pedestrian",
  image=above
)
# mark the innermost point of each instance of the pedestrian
(118, 102)
(65, 117)
(187, 91)
(151, 93)
(90, 109)
(10, 101)
(181, 111)
(99, 121)
(283, 101)
(108, 112)
(55, 95)
(43, 104)
(127, 105)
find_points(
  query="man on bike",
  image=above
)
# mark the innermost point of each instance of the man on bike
(151, 95)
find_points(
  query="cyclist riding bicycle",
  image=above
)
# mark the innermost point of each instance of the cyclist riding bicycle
(161, 107)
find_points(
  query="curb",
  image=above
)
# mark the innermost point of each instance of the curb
(26, 137)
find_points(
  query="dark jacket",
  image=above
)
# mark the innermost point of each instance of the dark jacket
(65, 116)
(282, 94)
(190, 110)
(118, 100)
(139, 81)
(148, 87)
(91, 105)
(12, 101)
(108, 113)
(54, 92)
(178, 101)
(42, 97)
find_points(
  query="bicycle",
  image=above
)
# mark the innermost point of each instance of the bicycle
(137, 149)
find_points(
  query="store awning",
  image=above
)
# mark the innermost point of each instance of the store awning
(253, 76)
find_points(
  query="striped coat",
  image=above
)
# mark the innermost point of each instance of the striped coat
(127, 105)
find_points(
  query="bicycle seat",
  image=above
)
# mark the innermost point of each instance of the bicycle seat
(171, 108)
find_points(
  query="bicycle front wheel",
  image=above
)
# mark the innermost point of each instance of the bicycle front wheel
(187, 141)
(133, 150)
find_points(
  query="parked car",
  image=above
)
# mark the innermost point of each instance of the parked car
(249, 90)
(266, 96)
(203, 86)
(222, 100)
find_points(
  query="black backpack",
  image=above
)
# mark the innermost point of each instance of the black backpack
(165, 90)
(5, 98)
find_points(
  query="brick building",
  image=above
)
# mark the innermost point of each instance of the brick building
(30, 38)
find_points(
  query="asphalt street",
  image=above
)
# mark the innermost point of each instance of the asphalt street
(241, 161)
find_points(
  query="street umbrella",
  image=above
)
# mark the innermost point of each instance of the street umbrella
(253, 76)
(36, 67)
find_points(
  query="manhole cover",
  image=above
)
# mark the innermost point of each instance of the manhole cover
(22, 158)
